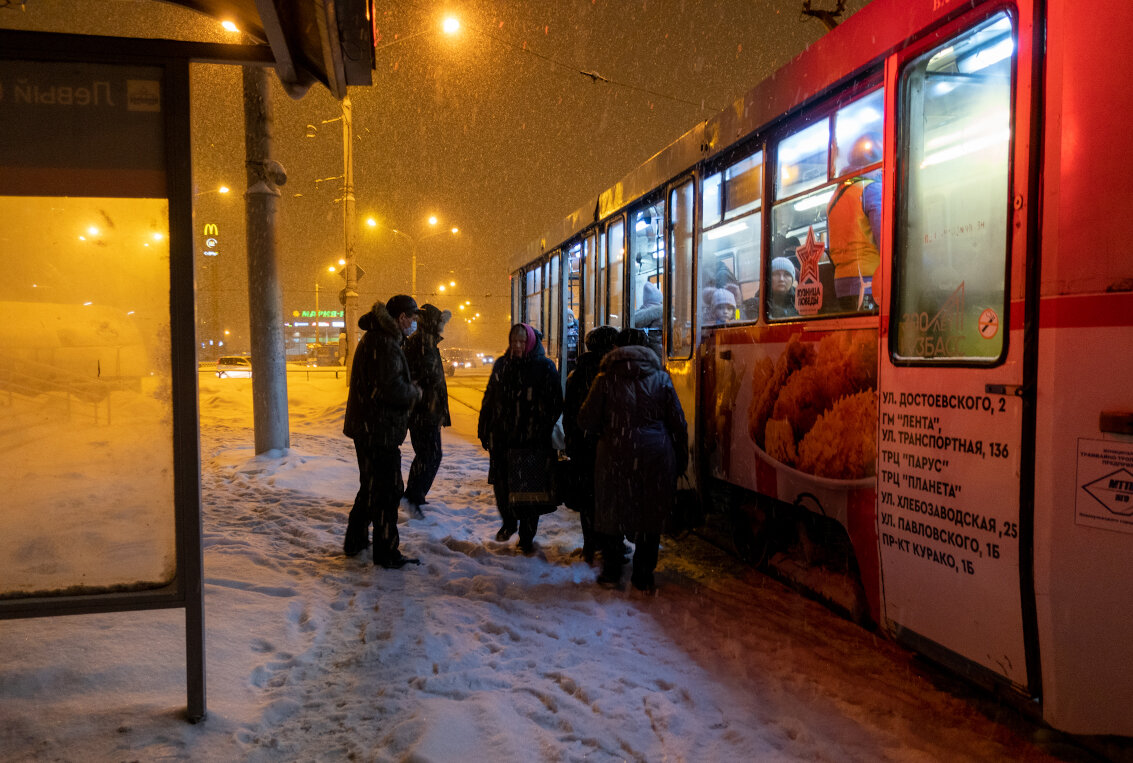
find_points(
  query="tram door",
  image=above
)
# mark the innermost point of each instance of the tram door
(679, 302)
(954, 557)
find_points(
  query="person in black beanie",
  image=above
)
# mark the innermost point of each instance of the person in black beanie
(377, 418)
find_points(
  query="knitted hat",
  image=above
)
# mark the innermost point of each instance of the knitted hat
(782, 263)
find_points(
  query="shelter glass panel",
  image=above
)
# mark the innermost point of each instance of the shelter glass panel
(84, 356)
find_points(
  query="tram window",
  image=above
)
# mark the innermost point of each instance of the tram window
(855, 127)
(600, 308)
(615, 272)
(952, 245)
(554, 309)
(590, 299)
(574, 302)
(647, 258)
(710, 201)
(681, 229)
(534, 294)
(825, 246)
(743, 185)
(803, 160)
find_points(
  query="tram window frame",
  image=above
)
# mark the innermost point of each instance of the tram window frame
(647, 242)
(589, 282)
(600, 279)
(533, 296)
(555, 310)
(574, 268)
(905, 284)
(736, 264)
(681, 273)
(615, 272)
(807, 195)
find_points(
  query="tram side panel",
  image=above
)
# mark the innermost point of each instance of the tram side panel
(1084, 458)
(790, 414)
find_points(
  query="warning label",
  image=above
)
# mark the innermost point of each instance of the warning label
(1105, 485)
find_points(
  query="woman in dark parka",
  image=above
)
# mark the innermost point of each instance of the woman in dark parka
(579, 447)
(521, 404)
(642, 449)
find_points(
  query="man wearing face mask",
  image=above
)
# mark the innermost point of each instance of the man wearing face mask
(377, 419)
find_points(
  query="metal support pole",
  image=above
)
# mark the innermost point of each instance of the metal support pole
(350, 295)
(265, 297)
(413, 270)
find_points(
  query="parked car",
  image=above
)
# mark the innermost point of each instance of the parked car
(234, 367)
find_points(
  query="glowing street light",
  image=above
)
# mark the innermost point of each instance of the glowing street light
(414, 243)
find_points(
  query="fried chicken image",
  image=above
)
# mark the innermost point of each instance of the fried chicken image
(823, 396)
(842, 444)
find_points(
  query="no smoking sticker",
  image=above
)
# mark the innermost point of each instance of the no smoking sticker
(989, 323)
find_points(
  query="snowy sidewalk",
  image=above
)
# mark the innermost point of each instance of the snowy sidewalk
(480, 653)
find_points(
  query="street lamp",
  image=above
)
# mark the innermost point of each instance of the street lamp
(350, 266)
(414, 244)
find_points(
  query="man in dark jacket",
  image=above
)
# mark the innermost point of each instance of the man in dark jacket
(431, 413)
(579, 447)
(377, 417)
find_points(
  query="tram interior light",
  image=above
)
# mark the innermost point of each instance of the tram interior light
(726, 230)
(987, 56)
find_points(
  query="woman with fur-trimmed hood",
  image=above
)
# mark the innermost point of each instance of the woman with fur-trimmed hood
(634, 411)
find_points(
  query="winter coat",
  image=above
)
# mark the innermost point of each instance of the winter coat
(522, 402)
(649, 319)
(782, 305)
(381, 391)
(642, 442)
(580, 448)
(428, 370)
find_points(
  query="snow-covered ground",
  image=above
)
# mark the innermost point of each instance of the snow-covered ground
(480, 653)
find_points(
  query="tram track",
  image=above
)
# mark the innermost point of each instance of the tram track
(467, 391)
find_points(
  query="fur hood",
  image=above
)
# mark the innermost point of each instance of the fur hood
(379, 319)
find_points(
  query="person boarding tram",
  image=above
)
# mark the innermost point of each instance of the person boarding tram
(853, 219)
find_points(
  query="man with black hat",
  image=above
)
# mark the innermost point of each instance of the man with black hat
(425, 421)
(377, 418)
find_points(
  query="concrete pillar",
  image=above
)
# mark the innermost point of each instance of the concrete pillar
(265, 297)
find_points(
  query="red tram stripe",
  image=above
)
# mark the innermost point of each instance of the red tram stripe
(1086, 311)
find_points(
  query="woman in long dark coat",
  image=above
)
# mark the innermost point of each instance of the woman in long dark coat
(579, 447)
(521, 404)
(642, 448)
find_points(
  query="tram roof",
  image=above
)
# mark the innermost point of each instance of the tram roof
(878, 29)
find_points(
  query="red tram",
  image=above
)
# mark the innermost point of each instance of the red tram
(898, 308)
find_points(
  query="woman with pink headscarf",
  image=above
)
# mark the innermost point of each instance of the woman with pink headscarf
(521, 404)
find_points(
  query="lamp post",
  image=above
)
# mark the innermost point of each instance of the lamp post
(326, 337)
(350, 266)
(414, 244)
